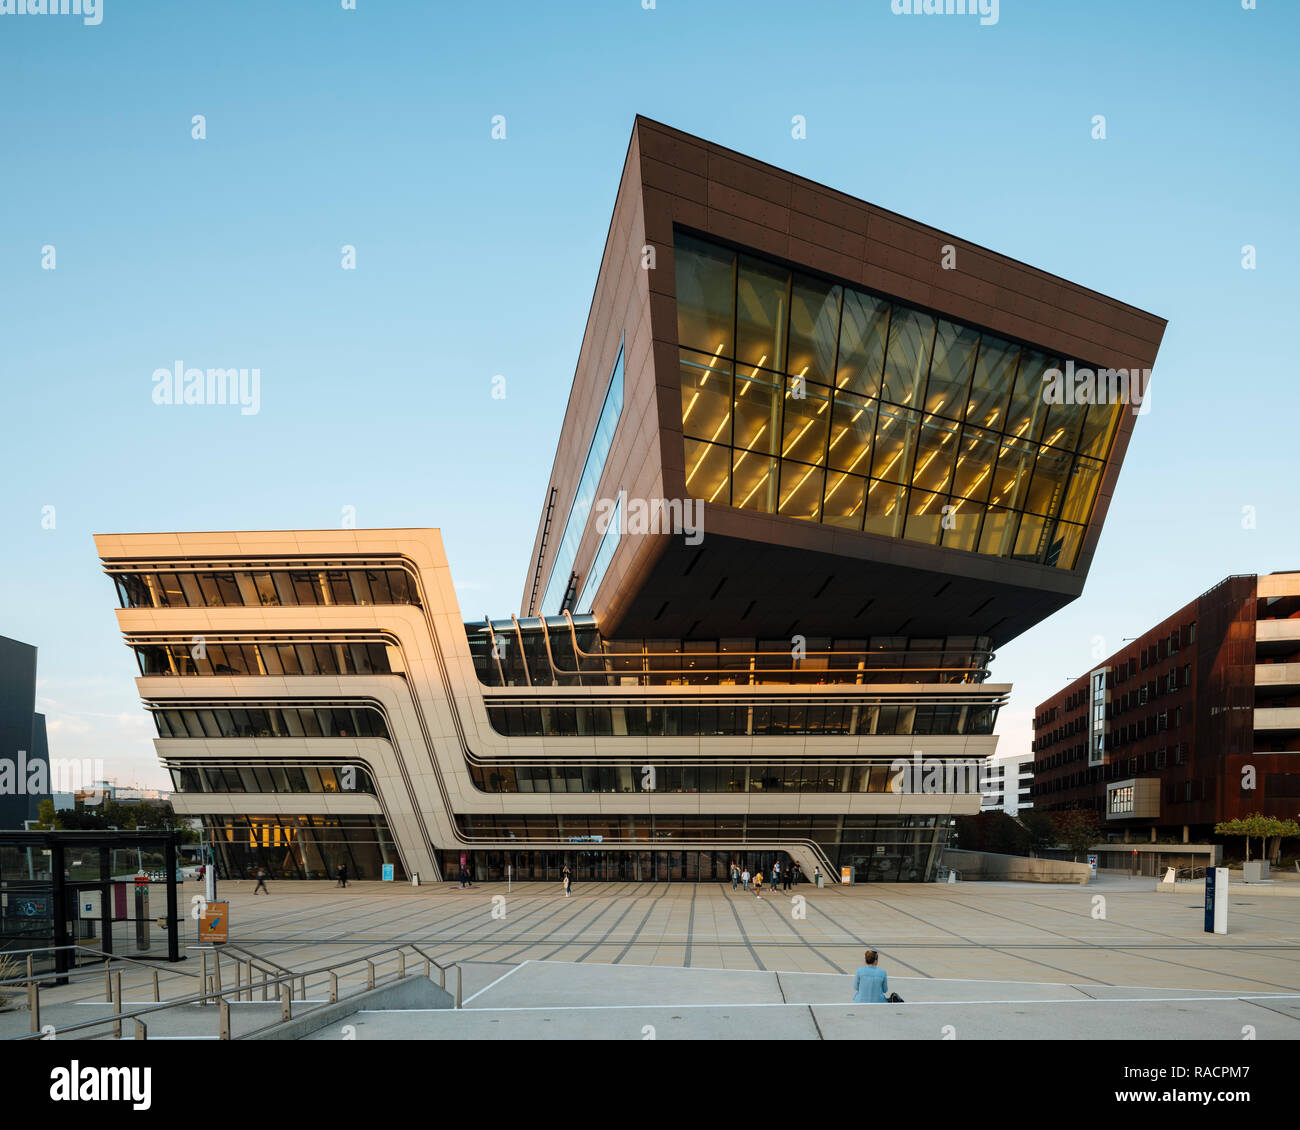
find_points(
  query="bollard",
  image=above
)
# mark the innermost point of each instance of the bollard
(155, 987)
(286, 1009)
(117, 1004)
(141, 1029)
(370, 974)
(459, 987)
(34, 1004)
(334, 988)
(223, 1032)
(401, 964)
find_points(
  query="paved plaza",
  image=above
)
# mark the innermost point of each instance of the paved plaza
(988, 960)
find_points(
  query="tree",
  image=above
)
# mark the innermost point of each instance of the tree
(46, 815)
(1078, 829)
(1257, 824)
(991, 831)
(1041, 829)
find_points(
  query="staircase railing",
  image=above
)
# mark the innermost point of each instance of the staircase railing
(221, 996)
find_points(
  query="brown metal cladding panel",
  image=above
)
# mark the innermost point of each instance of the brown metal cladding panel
(663, 279)
(675, 181)
(672, 147)
(750, 176)
(748, 234)
(822, 259)
(662, 209)
(618, 308)
(831, 208)
(747, 206)
(842, 241)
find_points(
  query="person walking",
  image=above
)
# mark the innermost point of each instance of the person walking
(794, 874)
(870, 983)
(735, 877)
(566, 877)
(342, 873)
(744, 878)
(261, 882)
(758, 884)
(464, 874)
(787, 877)
(776, 874)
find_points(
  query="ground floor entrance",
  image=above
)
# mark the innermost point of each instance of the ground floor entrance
(603, 866)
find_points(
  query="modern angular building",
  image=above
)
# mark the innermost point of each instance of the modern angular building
(808, 480)
(1194, 722)
(25, 775)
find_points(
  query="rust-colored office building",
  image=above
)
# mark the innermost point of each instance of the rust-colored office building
(1195, 722)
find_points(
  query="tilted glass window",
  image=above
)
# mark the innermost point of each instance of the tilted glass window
(585, 495)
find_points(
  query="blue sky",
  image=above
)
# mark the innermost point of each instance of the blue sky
(477, 257)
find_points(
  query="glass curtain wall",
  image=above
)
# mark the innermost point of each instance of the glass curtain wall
(805, 398)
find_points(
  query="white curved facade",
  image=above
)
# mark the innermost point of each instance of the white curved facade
(435, 712)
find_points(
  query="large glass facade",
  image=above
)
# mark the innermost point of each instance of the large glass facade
(266, 659)
(795, 717)
(303, 847)
(585, 496)
(885, 849)
(808, 399)
(270, 722)
(787, 777)
(265, 777)
(257, 588)
(569, 651)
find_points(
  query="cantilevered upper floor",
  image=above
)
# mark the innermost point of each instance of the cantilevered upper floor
(795, 413)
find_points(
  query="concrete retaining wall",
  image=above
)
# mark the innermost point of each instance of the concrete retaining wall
(410, 992)
(985, 865)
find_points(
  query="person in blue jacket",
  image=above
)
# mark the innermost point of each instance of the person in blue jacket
(870, 984)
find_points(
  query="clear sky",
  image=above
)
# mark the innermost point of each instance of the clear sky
(476, 258)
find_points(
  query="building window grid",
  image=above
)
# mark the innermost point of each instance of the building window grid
(910, 498)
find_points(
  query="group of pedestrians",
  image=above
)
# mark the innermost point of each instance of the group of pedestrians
(782, 878)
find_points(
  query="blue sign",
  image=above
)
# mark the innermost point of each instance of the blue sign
(388, 872)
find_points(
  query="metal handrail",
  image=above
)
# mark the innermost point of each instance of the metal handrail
(108, 958)
(284, 981)
(112, 977)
